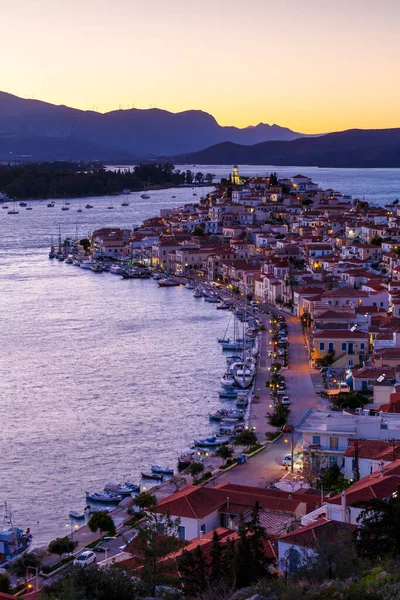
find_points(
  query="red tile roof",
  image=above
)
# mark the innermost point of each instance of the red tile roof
(374, 486)
(374, 449)
(342, 334)
(312, 535)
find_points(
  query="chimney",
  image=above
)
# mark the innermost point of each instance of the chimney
(227, 503)
(343, 506)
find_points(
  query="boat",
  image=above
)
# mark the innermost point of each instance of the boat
(173, 196)
(13, 211)
(224, 413)
(104, 497)
(110, 207)
(167, 282)
(88, 206)
(13, 541)
(243, 374)
(162, 470)
(23, 204)
(76, 514)
(223, 306)
(156, 476)
(197, 293)
(80, 208)
(76, 262)
(190, 286)
(227, 380)
(68, 260)
(145, 196)
(212, 442)
(194, 194)
(213, 299)
(5, 206)
(96, 268)
(52, 253)
(130, 273)
(65, 207)
(86, 264)
(228, 394)
(116, 269)
(122, 489)
(29, 208)
(124, 203)
(185, 458)
(51, 205)
(157, 276)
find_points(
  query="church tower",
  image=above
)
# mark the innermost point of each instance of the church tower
(235, 175)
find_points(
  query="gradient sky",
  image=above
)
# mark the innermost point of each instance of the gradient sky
(311, 65)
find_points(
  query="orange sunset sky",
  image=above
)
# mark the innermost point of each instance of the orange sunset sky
(311, 65)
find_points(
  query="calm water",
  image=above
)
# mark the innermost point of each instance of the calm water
(102, 377)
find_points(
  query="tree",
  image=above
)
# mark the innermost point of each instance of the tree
(225, 452)
(279, 417)
(145, 500)
(195, 468)
(257, 538)
(246, 438)
(5, 586)
(193, 570)
(209, 178)
(351, 399)
(102, 522)
(157, 538)
(243, 558)
(62, 546)
(216, 566)
(20, 566)
(379, 534)
(332, 480)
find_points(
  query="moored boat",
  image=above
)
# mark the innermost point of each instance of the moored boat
(162, 470)
(104, 497)
(76, 514)
(197, 293)
(167, 282)
(155, 476)
(212, 442)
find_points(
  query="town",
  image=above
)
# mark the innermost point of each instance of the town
(319, 274)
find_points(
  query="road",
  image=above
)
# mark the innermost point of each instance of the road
(266, 467)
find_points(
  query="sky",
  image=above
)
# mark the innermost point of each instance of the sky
(311, 65)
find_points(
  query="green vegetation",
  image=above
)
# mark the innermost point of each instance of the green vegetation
(21, 565)
(195, 469)
(351, 400)
(225, 452)
(332, 480)
(145, 500)
(102, 522)
(62, 546)
(246, 438)
(68, 180)
(5, 583)
(47, 569)
(279, 417)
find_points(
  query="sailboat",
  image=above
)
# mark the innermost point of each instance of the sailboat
(60, 253)
(80, 207)
(244, 371)
(52, 253)
(145, 195)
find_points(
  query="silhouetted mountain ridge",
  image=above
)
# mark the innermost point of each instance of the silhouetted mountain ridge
(352, 148)
(129, 133)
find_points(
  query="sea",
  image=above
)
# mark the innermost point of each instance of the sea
(102, 377)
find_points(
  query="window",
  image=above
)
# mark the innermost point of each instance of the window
(344, 346)
(203, 528)
(333, 443)
(381, 304)
(351, 362)
(331, 347)
(332, 461)
(316, 439)
(181, 532)
(322, 345)
(362, 346)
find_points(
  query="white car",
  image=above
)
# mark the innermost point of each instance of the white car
(285, 401)
(86, 558)
(287, 460)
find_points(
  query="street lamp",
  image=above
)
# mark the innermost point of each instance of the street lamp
(73, 527)
(36, 571)
(291, 448)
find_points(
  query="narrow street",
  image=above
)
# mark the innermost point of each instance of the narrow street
(266, 467)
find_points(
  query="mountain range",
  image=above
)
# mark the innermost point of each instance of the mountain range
(351, 148)
(37, 130)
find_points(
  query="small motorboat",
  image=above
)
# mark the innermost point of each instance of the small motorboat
(121, 489)
(88, 206)
(212, 442)
(110, 207)
(185, 458)
(162, 470)
(227, 380)
(116, 269)
(157, 276)
(190, 286)
(212, 299)
(168, 283)
(51, 205)
(96, 268)
(198, 293)
(156, 476)
(145, 196)
(104, 497)
(23, 204)
(76, 514)
(228, 394)
(124, 203)
(13, 212)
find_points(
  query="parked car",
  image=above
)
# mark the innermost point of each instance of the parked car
(86, 558)
(287, 460)
(285, 400)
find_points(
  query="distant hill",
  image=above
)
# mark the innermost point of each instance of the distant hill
(352, 148)
(42, 131)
